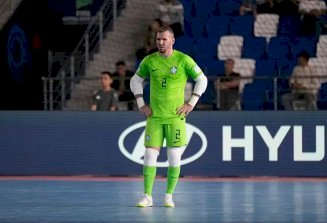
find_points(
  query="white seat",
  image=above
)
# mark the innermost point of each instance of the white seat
(231, 40)
(307, 5)
(322, 39)
(266, 25)
(245, 67)
(320, 64)
(229, 51)
(321, 49)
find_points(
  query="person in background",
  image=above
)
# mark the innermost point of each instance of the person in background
(302, 88)
(248, 7)
(121, 81)
(104, 99)
(171, 13)
(150, 45)
(228, 87)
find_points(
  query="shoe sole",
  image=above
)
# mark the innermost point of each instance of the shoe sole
(143, 206)
(169, 206)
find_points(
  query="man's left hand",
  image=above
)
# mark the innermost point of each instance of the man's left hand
(185, 109)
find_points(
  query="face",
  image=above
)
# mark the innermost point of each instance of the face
(229, 66)
(302, 61)
(105, 80)
(155, 26)
(121, 69)
(165, 41)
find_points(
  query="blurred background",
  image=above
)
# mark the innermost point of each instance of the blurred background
(52, 52)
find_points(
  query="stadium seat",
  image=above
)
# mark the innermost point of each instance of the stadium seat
(322, 97)
(205, 48)
(215, 68)
(253, 97)
(242, 25)
(320, 63)
(229, 7)
(229, 51)
(322, 46)
(279, 50)
(266, 68)
(254, 48)
(299, 44)
(204, 10)
(230, 47)
(184, 44)
(195, 28)
(289, 26)
(245, 67)
(218, 26)
(266, 25)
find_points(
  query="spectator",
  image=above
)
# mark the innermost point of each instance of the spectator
(228, 87)
(171, 12)
(150, 43)
(268, 6)
(302, 88)
(104, 99)
(248, 7)
(121, 81)
(288, 7)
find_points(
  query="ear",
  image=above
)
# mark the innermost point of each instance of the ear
(173, 40)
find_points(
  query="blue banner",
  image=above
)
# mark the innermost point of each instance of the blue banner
(111, 143)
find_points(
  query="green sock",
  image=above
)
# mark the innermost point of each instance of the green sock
(172, 178)
(149, 173)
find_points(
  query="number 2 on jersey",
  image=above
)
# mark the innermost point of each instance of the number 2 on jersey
(164, 82)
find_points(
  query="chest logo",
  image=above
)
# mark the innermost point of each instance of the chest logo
(173, 70)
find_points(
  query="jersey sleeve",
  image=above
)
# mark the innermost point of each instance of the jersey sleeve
(143, 70)
(192, 69)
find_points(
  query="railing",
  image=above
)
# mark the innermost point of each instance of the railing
(61, 86)
(272, 89)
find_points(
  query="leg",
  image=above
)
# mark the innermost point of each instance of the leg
(153, 142)
(310, 101)
(287, 100)
(176, 140)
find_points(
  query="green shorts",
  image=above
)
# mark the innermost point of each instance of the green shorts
(174, 133)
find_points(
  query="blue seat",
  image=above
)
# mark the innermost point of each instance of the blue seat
(215, 68)
(204, 9)
(184, 44)
(308, 44)
(266, 68)
(254, 48)
(229, 7)
(242, 25)
(218, 26)
(322, 97)
(195, 28)
(253, 97)
(205, 48)
(289, 26)
(279, 49)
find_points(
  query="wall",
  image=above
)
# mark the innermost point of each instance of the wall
(73, 143)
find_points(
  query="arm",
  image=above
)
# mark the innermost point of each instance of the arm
(137, 89)
(201, 83)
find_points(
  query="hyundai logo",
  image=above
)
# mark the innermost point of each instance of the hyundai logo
(136, 154)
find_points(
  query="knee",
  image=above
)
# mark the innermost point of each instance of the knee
(174, 156)
(150, 156)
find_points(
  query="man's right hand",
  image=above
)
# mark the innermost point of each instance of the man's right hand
(146, 110)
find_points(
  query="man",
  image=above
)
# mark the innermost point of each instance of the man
(121, 84)
(228, 87)
(304, 84)
(104, 99)
(168, 71)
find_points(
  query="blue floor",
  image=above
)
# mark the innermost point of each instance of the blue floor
(70, 201)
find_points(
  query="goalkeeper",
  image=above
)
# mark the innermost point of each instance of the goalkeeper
(168, 71)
